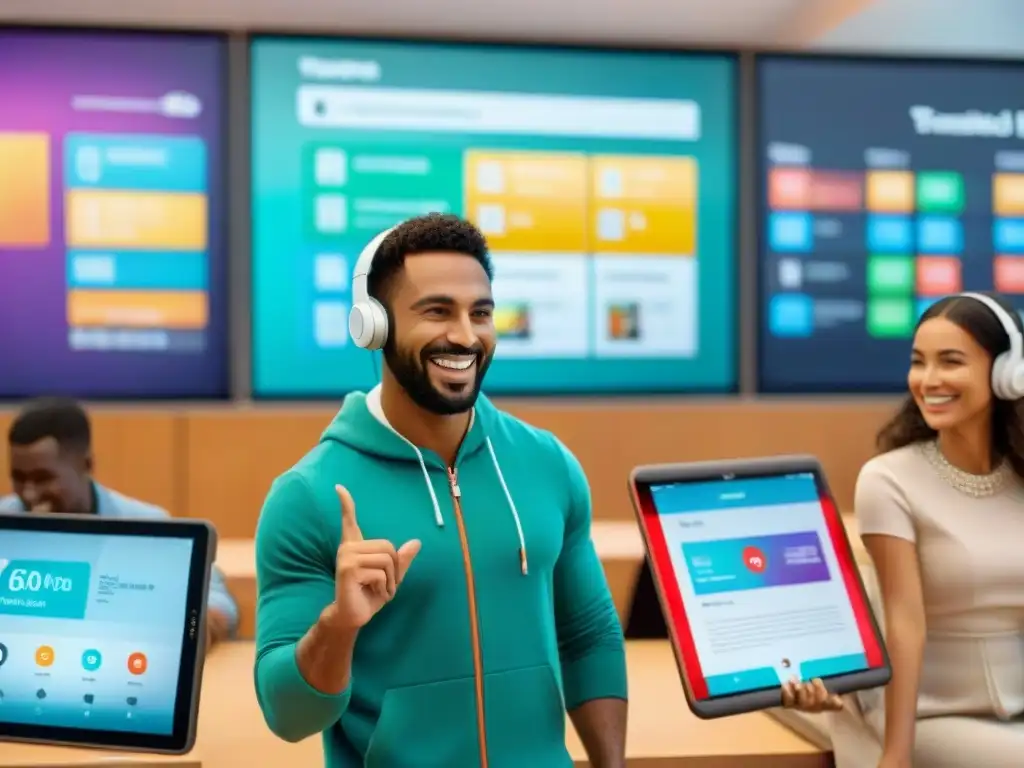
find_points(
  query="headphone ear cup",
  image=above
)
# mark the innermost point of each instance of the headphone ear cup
(1003, 375)
(361, 324)
(378, 336)
(1015, 381)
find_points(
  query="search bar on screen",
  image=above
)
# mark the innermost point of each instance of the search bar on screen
(399, 109)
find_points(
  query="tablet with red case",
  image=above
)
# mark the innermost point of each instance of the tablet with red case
(757, 581)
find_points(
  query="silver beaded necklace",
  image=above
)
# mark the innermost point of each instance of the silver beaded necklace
(976, 486)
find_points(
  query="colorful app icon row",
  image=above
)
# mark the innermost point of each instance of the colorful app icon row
(92, 659)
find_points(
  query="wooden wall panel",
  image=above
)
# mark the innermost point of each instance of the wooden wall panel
(231, 455)
(218, 463)
(138, 452)
(610, 441)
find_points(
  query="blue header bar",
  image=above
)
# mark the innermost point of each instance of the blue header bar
(138, 270)
(714, 495)
(136, 162)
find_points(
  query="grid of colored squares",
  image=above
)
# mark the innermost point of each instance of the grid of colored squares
(575, 203)
(891, 199)
(913, 236)
(901, 287)
(907, 212)
(793, 232)
(1008, 232)
(881, 191)
(136, 231)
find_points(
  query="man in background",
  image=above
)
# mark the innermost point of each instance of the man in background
(51, 463)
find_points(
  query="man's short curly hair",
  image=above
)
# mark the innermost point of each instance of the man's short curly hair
(425, 234)
(61, 418)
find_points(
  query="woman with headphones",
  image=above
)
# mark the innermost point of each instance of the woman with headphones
(941, 512)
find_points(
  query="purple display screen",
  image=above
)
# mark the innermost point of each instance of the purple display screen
(113, 254)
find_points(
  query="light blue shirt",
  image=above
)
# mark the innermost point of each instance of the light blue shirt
(113, 504)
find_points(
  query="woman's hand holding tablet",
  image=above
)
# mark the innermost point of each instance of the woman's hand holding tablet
(810, 697)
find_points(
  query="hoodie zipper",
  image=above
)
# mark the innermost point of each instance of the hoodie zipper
(474, 616)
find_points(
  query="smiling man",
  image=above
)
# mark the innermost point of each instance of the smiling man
(51, 464)
(456, 618)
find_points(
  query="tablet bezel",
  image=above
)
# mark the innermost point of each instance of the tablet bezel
(640, 481)
(193, 650)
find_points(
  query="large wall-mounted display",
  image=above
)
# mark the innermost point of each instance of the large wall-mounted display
(112, 238)
(604, 181)
(886, 185)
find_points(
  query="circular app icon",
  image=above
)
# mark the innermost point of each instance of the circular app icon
(91, 660)
(44, 656)
(754, 559)
(137, 663)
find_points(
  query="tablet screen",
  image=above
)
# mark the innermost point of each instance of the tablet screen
(92, 630)
(759, 582)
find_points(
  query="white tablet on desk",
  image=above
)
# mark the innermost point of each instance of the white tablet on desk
(757, 581)
(102, 630)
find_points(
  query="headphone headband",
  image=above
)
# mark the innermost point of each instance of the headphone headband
(364, 264)
(1009, 324)
(367, 320)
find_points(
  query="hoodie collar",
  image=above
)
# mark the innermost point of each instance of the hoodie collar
(362, 425)
(376, 409)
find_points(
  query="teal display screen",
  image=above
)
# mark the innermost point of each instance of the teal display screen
(604, 181)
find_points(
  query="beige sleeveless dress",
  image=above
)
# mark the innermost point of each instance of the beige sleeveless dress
(971, 550)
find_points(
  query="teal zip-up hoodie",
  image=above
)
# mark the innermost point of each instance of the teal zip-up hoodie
(548, 637)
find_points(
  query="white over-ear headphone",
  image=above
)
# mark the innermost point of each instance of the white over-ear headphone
(367, 320)
(1007, 368)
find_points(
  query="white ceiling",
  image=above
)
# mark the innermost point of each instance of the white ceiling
(952, 27)
(707, 22)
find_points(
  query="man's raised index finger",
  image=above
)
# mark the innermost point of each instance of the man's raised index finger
(349, 527)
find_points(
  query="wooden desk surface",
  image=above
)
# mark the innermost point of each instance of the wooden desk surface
(662, 732)
(29, 756)
(614, 541)
(619, 545)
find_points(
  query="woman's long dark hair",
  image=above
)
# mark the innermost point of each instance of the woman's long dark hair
(908, 425)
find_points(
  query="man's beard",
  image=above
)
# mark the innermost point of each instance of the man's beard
(414, 375)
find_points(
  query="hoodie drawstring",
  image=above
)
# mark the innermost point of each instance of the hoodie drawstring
(512, 506)
(439, 518)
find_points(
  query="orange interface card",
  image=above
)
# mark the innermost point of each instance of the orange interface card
(24, 190)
